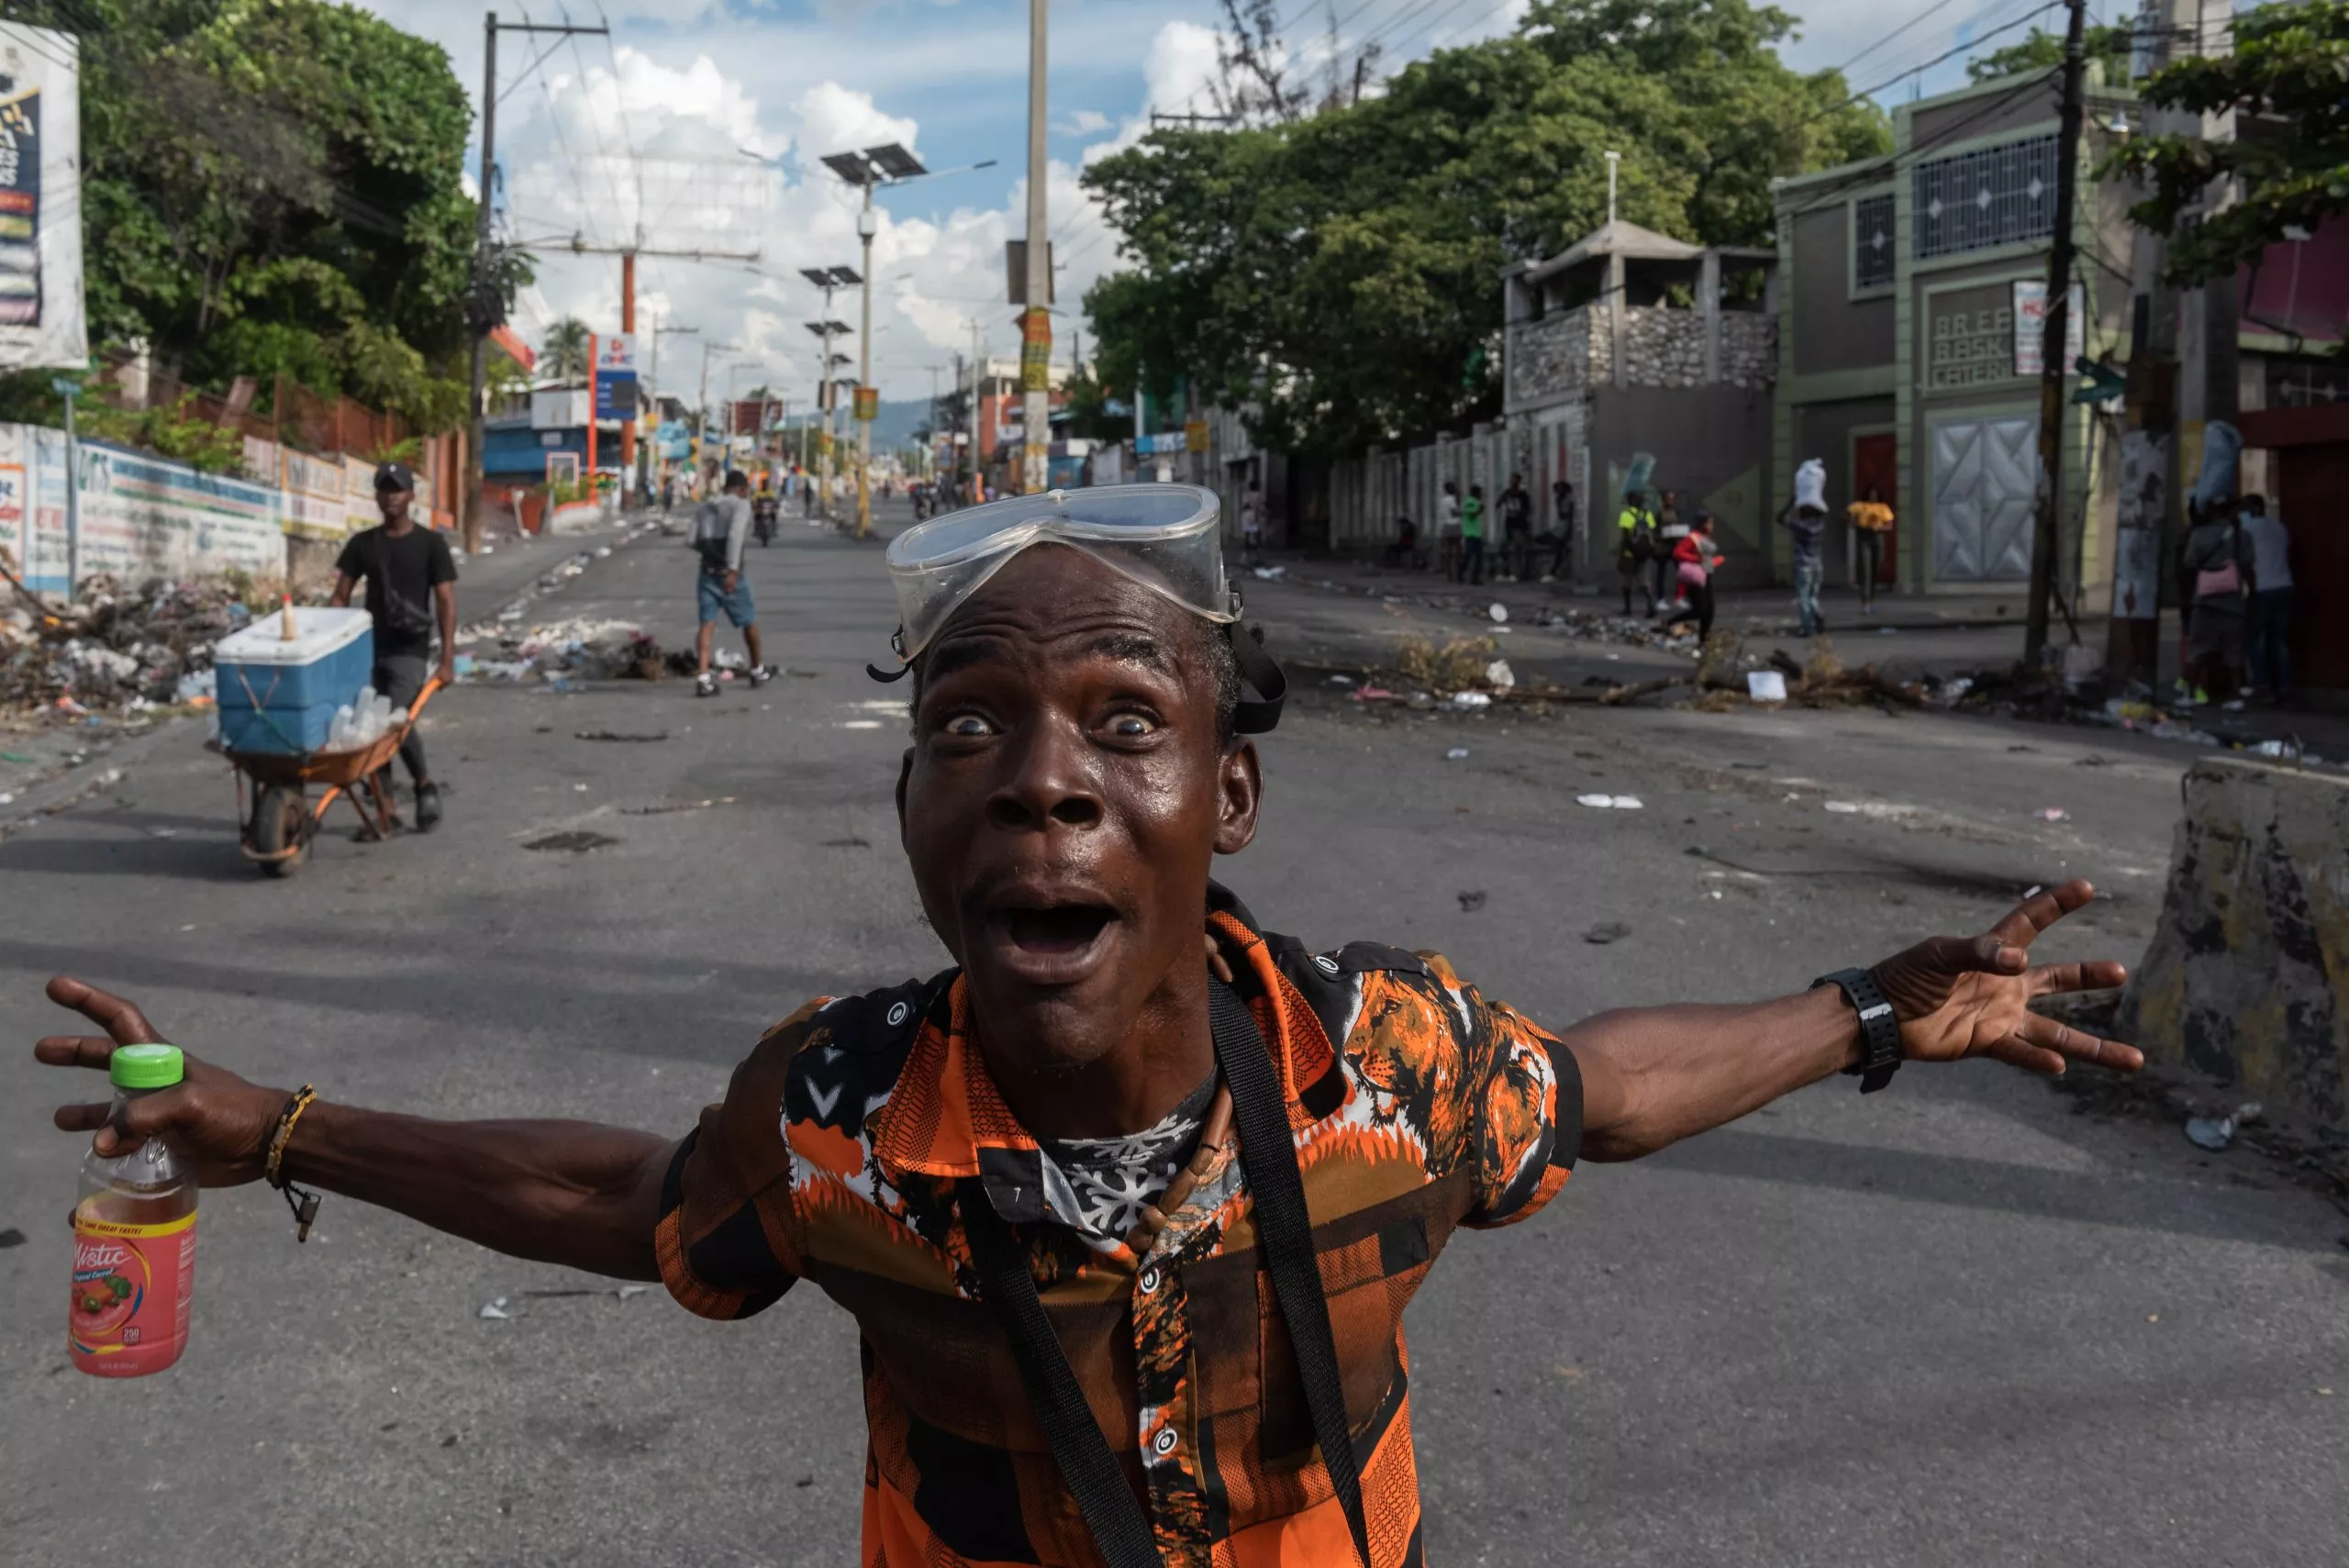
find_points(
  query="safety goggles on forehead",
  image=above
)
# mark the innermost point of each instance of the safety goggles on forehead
(1161, 536)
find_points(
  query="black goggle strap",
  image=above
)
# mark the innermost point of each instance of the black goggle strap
(905, 665)
(1261, 674)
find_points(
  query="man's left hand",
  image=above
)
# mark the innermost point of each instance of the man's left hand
(1959, 997)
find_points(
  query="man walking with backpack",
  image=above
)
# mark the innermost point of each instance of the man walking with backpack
(721, 527)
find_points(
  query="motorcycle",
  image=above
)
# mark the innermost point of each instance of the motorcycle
(764, 514)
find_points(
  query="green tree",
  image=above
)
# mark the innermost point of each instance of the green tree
(2287, 82)
(563, 354)
(1340, 274)
(276, 186)
(2107, 46)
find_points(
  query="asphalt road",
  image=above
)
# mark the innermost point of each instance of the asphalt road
(1959, 1322)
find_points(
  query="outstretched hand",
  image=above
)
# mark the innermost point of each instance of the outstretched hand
(214, 1117)
(1958, 997)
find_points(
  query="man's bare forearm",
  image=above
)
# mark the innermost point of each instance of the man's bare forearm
(559, 1192)
(1654, 1075)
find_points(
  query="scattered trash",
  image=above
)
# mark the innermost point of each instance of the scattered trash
(602, 551)
(1371, 694)
(111, 776)
(617, 735)
(1606, 932)
(1843, 808)
(1458, 753)
(1499, 611)
(11, 1237)
(1341, 680)
(1499, 676)
(1606, 802)
(1472, 900)
(112, 646)
(1271, 573)
(496, 1309)
(579, 788)
(2213, 1133)
(1467, 701)
(17, 757)
(578, 841)
(1765, 686)
(2054, 813)
(162, 832)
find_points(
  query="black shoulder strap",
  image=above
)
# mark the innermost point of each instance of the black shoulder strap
(1111, 1511)
(1284, 1240)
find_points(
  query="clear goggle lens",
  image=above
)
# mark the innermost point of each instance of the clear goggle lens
(1161, 535)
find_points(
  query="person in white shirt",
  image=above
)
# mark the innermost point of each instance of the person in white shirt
(2271, 600)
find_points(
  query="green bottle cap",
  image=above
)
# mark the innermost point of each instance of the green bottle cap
(146, 1066)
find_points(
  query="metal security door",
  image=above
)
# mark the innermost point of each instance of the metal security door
(1985, 471)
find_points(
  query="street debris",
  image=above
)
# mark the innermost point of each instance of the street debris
(115, 648)
(1499, 676)
(1457, 754)
(1843, 807)
(1472, 900)
(1499, 611)
(507, 1309)
(1605, 933)
(2054, 813)
(1765, 686)
(617, 735)
(1607, 802)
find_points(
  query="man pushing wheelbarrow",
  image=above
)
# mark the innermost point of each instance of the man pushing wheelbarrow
(411, 584)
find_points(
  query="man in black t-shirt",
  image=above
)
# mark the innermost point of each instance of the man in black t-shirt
(411, 587)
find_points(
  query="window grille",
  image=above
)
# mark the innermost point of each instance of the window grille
(1872, 244)
(1994, 196)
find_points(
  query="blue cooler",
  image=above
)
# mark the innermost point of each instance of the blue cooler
(279, 695)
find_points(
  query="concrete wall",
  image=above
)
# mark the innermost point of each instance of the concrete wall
(1833, 331)
(2242, 983)
(1712, 444)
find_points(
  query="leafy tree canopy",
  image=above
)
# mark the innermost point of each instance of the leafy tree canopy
(2044, 51)
(2287, 82)
(1340, 273)
(275, 185)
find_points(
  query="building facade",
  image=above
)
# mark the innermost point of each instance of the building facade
(1910, 336)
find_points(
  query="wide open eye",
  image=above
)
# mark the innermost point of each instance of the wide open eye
(966, 725)
(1132, 725)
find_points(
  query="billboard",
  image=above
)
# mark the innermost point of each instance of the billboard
(41, 215)
(615, 355)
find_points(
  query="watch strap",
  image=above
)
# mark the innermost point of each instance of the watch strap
(1879, 1029)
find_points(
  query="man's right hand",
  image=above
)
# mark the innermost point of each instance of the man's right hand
(733, 579)
(214, 1117)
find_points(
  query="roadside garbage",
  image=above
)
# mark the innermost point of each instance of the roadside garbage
(1472, 900)
(114, 645)
(1458, 753)
(1341, 680)
(2213, 1133)
(1765, 686)
(1499, 676)
(1843, 807)
(1607, 802)
(1371, 694)
(1499, 611)
(2054, 813)
(1468, 702)
(1606, 932)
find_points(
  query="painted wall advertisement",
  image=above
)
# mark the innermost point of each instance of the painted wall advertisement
(143, 518)
(2137, 538)
(41, 220)
(314, 500)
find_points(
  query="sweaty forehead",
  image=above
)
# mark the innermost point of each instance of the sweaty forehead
(1050, 594)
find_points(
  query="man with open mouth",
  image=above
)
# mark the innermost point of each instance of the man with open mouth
(1127, 1204)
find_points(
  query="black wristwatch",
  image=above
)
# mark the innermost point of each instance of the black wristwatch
(1879, 1030)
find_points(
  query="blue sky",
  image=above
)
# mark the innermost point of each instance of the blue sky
(648, 130)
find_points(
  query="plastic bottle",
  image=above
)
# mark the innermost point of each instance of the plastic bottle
(134, 1238)
(286, 630)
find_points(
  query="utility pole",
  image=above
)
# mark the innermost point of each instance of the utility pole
(1614, 161)
(660, 332)
(701, 413)
(1036, 327)
(481, 313)
(865, 395)
(2053, 368)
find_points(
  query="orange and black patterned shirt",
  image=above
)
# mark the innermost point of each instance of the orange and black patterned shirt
(1416, 1106)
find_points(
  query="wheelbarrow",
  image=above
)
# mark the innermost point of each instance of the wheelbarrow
(278, 819)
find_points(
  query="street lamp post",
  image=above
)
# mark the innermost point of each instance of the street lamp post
(869, 169)
(1036, 334)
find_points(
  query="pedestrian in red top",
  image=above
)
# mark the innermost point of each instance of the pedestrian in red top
(1696, 561)
(1067, 1185)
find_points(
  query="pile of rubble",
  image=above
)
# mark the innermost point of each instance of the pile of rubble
(115, 647)
(560, 652)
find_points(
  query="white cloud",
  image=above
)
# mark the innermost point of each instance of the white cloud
(1084, 122)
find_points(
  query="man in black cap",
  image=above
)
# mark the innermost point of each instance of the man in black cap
(411, 586)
